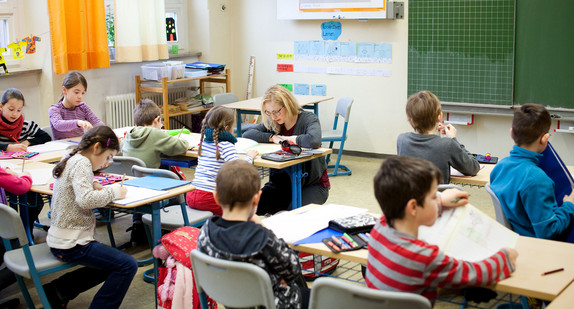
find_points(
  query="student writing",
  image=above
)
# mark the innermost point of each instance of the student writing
(217, 147)
(73, 223)
(238, 234)
(525, 192)
(424, 114)
(283, 119)
(406, 189)
(70, 117)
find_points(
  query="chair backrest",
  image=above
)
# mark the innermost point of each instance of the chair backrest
(344, 108)
(123, 165)
(224, 98)
(335, 293)
(498, 212)
(48, 129)
(11, 226)
(141, 171)
(233, 284)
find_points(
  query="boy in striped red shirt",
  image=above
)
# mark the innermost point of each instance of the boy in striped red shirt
(406, 188)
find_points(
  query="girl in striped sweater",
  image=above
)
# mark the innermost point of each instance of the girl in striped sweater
(217, 147)
(406, 189)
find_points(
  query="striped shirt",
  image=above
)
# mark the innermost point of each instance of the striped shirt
(30, 132)
(64, 121)
(208, 166)
(401, 262)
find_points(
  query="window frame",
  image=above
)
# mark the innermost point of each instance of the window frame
(9, 12)
(179, 7)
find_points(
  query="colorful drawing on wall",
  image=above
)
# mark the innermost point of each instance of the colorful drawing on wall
(17, 52)
(170, 29)
(2, 60)
(31, 44)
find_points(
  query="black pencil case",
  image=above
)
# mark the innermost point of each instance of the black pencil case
(362, 223)
(360, 243)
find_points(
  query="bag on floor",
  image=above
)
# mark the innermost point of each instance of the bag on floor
(314, 266)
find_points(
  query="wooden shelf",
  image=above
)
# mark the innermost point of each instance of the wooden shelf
(162, 87)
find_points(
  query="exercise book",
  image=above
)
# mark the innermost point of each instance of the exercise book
(137, 194)
(52, 146)
(156, 183)
(245, 144)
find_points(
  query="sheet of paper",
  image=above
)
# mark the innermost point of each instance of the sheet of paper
(40, 176)
(121, 132)
(192, 139)
(136, 194)
(4, 165)
(245, 144)
(52, 146)
(457, 173)
(294, 226)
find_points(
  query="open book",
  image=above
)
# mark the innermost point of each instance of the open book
(467, 233)
(245, 144)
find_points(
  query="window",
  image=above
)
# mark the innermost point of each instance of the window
(176, 10)
(8, 31)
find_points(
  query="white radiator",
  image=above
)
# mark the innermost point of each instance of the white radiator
(120, 108)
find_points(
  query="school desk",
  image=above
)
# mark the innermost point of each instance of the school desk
(564, 299)
(55, 156)
(535, 256)
(148, 206)
(483, 176)
(294, 168)
(253, 106)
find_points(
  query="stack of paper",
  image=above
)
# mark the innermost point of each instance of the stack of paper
(52, 146)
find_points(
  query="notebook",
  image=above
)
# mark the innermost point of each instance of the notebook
(156, 183)
(553, 166)
(282, 156)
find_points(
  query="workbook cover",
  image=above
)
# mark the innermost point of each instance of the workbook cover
(156, 183)
(553, 166)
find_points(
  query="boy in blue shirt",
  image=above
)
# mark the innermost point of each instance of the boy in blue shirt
(525, 192)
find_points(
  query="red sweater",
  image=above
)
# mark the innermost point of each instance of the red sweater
(13, 184)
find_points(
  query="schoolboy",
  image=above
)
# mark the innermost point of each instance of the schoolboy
(238, 234)
(147, 141)
(525, 192)
(406, 189)
(424, 114)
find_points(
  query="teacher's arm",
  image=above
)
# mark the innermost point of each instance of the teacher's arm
(311, 138)
(258, 133)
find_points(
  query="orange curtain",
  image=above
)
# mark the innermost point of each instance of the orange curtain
(78, 33)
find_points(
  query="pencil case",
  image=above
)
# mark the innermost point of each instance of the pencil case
(343, 243)
(362, 223)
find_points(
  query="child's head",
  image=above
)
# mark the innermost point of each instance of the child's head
(12, 102)
(99, 145)
(237, 185)
(530, 123)
(403, 180)
(278, 105)
(74, 87)
(218, 119)
(147, 113)
(423, 111)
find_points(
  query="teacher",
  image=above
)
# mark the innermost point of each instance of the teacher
(283, 119)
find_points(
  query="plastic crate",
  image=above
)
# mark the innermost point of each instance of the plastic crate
(156, 71)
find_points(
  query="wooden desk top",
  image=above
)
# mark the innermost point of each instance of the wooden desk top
(255, 103)
(53, 156)
(564, 299)
(536, 256)
(481, 179)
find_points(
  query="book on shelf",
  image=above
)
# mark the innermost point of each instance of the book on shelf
(467, 233)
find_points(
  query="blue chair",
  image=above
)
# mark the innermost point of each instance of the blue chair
(226, 98)
(24, 260)
(335, 135)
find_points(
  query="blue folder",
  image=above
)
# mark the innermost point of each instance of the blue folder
(318, 236)
(553, 166)
(156, 183)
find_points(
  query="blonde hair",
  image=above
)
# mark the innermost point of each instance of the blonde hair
(283, 97)
(217, 119)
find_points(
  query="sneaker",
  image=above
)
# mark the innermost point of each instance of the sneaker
(138, 235)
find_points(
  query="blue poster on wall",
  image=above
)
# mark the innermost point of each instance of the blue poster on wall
(331, 30)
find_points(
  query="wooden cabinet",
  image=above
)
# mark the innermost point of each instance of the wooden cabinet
(162, 87)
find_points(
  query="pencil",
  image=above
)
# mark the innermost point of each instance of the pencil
(12, 136)
(458, 199)
(123, 177)
(552, 271)
(180, 132)
(23, 161)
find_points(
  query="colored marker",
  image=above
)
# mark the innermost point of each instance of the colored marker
(332, 245)
(351, 239)
(338, 242)
(363, 237)
(552, 271)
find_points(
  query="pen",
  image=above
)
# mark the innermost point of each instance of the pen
(351, 239)
(332, 245)
(552, 271)
(123, 177)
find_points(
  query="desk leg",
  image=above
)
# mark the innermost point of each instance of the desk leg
(295, 173)
(21, 201)
(316, 109)
(238, 121)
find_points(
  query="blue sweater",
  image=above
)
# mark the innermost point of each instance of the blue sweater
(527, 196)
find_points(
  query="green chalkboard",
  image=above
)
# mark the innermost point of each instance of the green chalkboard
(544, 72)
(462, 50)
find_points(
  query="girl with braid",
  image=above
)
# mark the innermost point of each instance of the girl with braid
(73, 224)
(217, 147)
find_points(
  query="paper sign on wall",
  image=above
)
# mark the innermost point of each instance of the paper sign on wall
(287, 86)
(331, 30)
(302, 89)
(282, 67)
(319, 90)
(284, 56)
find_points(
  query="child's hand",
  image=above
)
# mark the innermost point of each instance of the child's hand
(97, 186)
(123, 191)
(449, 130)
(569, 198)
(252, 153)
(86, 125)
(512, 255)
(16, 147)
(255, 218)
(11, 172)
(26, 173)
(454, 197)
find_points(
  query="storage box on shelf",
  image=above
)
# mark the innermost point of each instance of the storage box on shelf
(161, 86)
